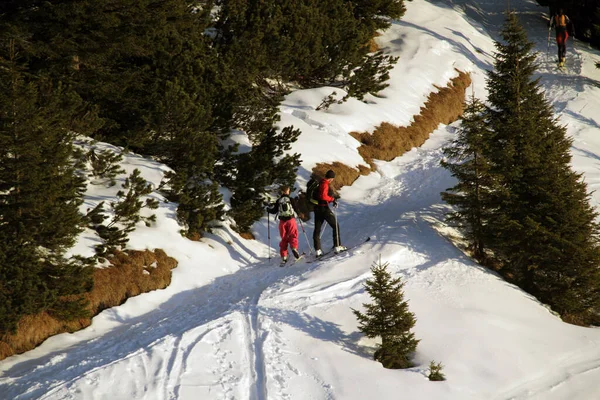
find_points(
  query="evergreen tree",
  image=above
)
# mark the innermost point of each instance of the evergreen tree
(126, 214)
(265, 165)
(388, 317)
(376, 14)
(40, 191)
(154, 75)
(468, 163)
(546, 234)
(22, 290)
(105, 165)
(309, 42)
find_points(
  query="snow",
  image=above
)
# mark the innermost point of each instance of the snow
(232, 325)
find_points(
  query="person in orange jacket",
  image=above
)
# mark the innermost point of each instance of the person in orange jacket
(560, 21)
(323, 213)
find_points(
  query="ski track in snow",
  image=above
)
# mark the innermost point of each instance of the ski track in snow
(254, 305)
(162, 331)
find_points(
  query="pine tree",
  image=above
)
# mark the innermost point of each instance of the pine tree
(471, 196)
(126, 213)
(376, 14)
(388, 317)
(40, 191)
(371, 77)
(264, 166)
(308, 42)
(546, 234)
(105, 165)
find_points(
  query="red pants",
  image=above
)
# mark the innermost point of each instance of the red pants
(561, 41)
(289, 235)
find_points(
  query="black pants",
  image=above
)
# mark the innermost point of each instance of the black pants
(323, 213)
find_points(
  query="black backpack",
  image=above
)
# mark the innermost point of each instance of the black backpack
(312, 191)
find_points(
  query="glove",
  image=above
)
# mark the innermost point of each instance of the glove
(335, 203)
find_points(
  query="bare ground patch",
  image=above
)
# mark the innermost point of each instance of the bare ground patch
(131, 273)
(389, 141)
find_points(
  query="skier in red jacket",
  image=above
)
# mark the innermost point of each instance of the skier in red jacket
(323, 213)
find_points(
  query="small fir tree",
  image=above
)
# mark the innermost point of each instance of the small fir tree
(105, 165)
(200, 202)
(126, 214)
(467, 161)
(376, 14)
(371, 77)
(435, 372)
(388, 317)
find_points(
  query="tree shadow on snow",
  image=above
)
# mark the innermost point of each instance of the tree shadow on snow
(183, 312)
(319, 329)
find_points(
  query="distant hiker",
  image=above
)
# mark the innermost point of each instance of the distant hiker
(323, 213)
(560, 21)
(287, 224)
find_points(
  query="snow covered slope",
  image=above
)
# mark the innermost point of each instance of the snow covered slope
(235, 326)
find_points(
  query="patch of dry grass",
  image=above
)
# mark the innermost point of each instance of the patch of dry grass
(373, 46)
(390, 141)
(344, 176)
(247, 235)
(131, 273)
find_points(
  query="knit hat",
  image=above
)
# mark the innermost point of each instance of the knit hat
(330, 174)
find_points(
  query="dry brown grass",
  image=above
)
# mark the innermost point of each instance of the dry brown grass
(247, 235)
(112, 286)
(193, 236)
(373, 46)
(390, 141)
(344, 175)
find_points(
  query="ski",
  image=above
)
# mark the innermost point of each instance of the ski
(331, 253)
(294, 260)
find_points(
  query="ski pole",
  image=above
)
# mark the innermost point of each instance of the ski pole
(269, 233)
(337, 227)
(322, 230)
(549, 30)
(305, 236)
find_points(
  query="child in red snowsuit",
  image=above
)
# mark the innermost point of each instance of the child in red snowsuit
(287, 224)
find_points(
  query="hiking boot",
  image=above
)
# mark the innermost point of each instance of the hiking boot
(339, 249)
(295, 253)
(319, 253)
